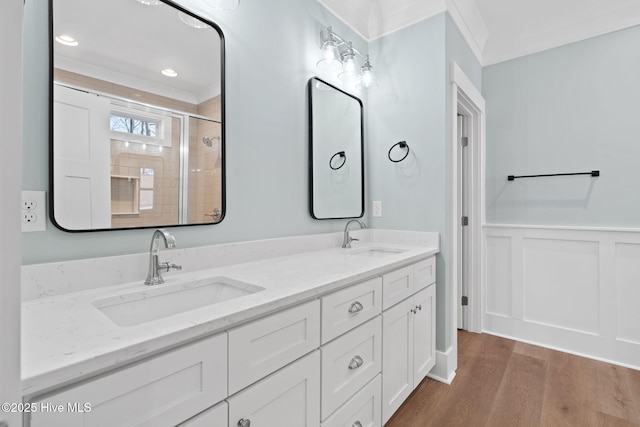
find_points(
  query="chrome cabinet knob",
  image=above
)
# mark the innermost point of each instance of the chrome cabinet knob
(244, 423)
(357, 424)
(419, 307)
(355, 307)
(413, 311)
(356, 362)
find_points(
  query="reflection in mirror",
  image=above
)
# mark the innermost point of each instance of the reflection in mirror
(336, 147)
(138, 116)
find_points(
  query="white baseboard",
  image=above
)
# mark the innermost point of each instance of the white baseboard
(446, 364)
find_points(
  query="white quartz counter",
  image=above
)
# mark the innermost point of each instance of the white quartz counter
(65, 338)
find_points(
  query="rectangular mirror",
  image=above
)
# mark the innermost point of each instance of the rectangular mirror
(336, 152)
(137, 90)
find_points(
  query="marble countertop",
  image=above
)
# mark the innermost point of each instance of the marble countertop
(66, 338)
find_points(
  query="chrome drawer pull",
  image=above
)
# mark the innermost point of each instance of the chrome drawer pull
(244, 423)
(357, 424)
(356, 362)
(355, 307)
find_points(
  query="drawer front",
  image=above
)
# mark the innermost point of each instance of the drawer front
(349, 362)
(163, 391)
(350, 307)
(397, 286)
(266, 345)
(424, 273)
(216, 416)
(362, 410)
(289, 397)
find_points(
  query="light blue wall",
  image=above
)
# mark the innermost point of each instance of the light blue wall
(412, 104)
(568, 109)
(271, 48)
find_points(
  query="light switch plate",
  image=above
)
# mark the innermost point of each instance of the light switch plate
(377, 208)
(33, 211)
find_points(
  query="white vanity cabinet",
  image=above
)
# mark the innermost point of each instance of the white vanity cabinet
(408, 333)
(164, 390)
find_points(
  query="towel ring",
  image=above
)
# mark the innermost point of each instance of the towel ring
(342, 156)
(401, 144)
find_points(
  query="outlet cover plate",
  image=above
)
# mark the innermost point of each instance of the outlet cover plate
(33, 211)
(376, 208)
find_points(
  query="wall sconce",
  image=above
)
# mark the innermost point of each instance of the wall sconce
(340, 55)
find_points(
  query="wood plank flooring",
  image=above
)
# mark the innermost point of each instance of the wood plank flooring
(504, 383)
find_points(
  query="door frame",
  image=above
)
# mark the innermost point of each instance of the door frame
(467, 100)
(11, 21)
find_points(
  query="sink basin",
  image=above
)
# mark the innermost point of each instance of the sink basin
(377, 252)
(153, 303)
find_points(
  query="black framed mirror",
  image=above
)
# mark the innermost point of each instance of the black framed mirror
(336, 153)
(137, 115)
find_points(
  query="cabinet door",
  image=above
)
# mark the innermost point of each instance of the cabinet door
(397, 286)
(266, 345)
(397, 356)
(162, 391)
(362, 410)
(424, 350)
(212, 417)
(289, 397)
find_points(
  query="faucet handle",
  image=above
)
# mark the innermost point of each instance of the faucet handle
(165, 266)
(353, 239)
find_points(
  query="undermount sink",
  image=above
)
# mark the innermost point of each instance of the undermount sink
(377, 252)
(153, 303)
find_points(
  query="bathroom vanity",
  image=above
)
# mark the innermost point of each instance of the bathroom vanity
(330, 337)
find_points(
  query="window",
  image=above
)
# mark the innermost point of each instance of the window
(120, 123)
(133, 124)
(146, 188)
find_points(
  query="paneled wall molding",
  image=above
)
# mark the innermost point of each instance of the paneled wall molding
(570, 288)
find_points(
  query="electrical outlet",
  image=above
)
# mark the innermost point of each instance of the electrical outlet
(377, 208)
(34, 213)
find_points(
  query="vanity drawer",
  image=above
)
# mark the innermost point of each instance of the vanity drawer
(162, 391)
(261, 347)
(362, 410)
(424, 273)
(349, 362)
(350, 307)
(396, 286)
(216, 416)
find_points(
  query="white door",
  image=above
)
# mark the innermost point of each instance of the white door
(10, 187)
(82, 159)
(397, 356)
(463, 231)
(289, 397)
(424, 347)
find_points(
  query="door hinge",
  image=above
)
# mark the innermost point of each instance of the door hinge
(465, 221)
(464, 141)
(465, 300)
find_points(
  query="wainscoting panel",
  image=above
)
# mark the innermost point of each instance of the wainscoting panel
(499, 276)
(573, 289)
(628, 289)
(561, 283)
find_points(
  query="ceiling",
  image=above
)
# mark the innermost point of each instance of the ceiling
(496, 30)
(128, 43)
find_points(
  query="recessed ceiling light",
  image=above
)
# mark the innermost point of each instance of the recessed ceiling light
(149, 2)
(66, 40)
(169, 72)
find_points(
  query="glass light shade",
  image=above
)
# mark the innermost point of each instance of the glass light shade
(330, 57)
(66, 40)
(223, 4)
(191, 21)
(350, 72)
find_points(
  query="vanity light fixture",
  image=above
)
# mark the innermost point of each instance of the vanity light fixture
(331, 58)
(66, 40)
(339, 55)
(223, 4)
(169, 72)
(368, 78)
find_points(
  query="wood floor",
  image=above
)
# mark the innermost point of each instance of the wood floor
(501, 382)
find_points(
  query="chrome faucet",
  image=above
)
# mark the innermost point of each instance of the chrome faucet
(346, 241)
(154, 277)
